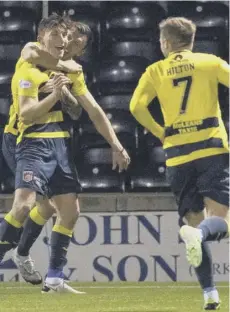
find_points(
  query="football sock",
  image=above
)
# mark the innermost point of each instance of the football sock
(60, 240)
(10, 230)
(204, 272)
(213, 228)
(32, 230)
(211, 293)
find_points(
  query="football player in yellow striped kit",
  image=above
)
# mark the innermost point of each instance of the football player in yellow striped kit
(194, 140)
(43, 163)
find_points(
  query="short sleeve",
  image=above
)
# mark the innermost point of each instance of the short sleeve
(79, 86)
(145, 91)
(223, 70)
(146, 83)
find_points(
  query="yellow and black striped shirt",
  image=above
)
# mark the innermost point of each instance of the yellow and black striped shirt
(26, 82)
(186, 85)
(26, 69)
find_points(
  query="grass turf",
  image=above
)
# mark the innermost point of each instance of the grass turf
(109, 297)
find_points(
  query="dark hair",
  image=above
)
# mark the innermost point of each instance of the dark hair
(53, 20)
(84, 30)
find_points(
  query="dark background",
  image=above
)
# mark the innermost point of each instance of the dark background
(126, 41)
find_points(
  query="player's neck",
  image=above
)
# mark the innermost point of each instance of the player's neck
(182, 49)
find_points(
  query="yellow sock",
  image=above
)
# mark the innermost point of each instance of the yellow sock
(61, 229)
(36, 217)
(11, 220)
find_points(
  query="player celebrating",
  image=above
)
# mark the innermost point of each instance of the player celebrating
(194, 138)
(42, 156)
(79, 38)
(44, 209)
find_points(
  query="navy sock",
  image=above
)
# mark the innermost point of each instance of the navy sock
(213, 228)
(59, 246)
(29, 235)
(204, 272)
(9, 237)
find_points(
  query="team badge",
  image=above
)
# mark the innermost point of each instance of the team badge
(27, 176)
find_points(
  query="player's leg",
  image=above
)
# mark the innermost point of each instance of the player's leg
(204, 271)
(191, 207)
(64, 186)
(34, 167)
(67, 207)
(215, 226)
(11, 225)
(183, 180)
(213, 184)
(33, 226)
(9, 152)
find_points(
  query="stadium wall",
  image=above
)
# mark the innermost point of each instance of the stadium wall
(123, 246)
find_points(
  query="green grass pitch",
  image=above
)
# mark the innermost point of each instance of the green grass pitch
(109, 297)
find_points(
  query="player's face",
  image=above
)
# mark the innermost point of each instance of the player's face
(55, 41)
(76, 44)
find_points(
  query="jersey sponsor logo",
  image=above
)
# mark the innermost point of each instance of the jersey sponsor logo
(27, 176)
(25, 84)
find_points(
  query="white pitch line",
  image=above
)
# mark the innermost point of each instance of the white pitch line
(114, 287)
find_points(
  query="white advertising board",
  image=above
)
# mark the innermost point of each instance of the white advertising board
(124, 247)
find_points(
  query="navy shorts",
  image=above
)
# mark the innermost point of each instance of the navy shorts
(45, 166)
(8, 150)
(204, 177)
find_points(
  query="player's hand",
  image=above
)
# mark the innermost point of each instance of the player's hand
(72, 67)
(60, 80)
(48, 87)
(121, 160)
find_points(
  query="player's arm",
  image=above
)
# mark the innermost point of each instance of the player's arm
(32, 53)
(223, 71)
(142, 97)
(30, 109)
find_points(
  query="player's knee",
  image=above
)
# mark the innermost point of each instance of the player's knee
(21, 209)
(45, 209)
(68, 210)
(23, 202)
(71, 219)
(216, 209)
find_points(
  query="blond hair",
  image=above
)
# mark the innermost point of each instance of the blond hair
(179, 31)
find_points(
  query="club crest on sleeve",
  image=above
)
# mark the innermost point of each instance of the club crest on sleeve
(27, 176)
(24, 84)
